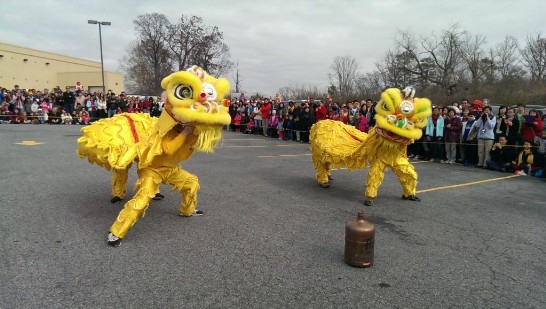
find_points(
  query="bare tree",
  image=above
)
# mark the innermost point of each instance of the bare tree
(507, 60)
(345, 72)
(194, 43)
(237, 80)
(185, 38)
(148, 59)
(434, 58)
(300, 92)
(534, 57)
(212, 54)
(473, 55)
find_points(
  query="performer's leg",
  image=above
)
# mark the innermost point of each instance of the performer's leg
(373, 181)
(407, 177)
(323, 171)
(147, 186)
(119, 184)
(188, 185)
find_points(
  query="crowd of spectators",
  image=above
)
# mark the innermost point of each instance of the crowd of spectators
(512, 140)
(74, 105)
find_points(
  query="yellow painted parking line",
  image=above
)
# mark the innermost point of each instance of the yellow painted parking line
(466, 184)
(29, 143)
(294, 155)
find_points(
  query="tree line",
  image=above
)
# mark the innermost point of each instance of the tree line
(445, 66)
(162, 47)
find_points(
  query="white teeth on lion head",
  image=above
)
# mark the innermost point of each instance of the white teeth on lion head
(208, 106)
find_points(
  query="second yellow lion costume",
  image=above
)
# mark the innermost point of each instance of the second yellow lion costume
(400, 118)
(193, 119)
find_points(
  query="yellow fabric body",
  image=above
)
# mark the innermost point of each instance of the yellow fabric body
(146, 188)
(336, 145)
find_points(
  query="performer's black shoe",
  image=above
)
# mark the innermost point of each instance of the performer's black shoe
(115, 199)
(368, 202)
(324, 185)
(411, 198)
(195, 213)
(158, 196)
(113, 240)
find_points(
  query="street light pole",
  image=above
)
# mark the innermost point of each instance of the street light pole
(103, 23)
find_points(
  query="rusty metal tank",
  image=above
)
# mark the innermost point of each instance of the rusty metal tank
(359, 242)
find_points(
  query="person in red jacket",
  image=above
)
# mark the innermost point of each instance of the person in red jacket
(264, 110)
(320, 112)
(531, 127)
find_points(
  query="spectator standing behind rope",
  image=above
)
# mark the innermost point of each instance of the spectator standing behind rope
(264, 110)
(468, 139)
(531, 127)
(320, 112)
(434, 134)
(112, 106)
(486, 135)
(68, 100)
(453, 131)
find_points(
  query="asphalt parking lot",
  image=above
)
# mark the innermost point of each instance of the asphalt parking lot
(270, 236)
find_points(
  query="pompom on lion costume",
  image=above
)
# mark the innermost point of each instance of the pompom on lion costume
(192, 119)
(400, 118)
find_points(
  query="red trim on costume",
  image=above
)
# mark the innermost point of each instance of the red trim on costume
(133, 129)
(392, 136)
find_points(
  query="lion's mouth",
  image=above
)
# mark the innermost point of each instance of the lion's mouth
(392, 136)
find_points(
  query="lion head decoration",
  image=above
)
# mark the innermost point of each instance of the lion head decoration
(400, 116)
(193, 96)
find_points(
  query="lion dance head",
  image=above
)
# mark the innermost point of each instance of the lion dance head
(193, 96)
(400, 116)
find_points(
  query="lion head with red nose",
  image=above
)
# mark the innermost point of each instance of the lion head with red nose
(194, 97)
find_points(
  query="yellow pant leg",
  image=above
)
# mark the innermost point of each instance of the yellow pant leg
(119, 182)
(188, 185)
(322, 169)
(146, 187)
(375, 178)
(406, 175)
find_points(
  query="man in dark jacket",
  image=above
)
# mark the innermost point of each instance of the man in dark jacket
(501, 156)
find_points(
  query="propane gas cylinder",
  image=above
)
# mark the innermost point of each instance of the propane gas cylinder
(359, 242)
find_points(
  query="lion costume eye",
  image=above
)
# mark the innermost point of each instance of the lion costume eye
(182, 92)
(210, 91)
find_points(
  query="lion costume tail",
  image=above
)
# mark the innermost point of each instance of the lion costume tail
(112, 142)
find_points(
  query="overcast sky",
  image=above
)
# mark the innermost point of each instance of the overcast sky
(276, 43)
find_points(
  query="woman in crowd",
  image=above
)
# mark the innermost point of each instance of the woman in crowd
(486, 135)
(531, 127)
(501, 115)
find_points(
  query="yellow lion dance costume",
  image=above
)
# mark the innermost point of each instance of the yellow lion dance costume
(192, 119)
(400, 118)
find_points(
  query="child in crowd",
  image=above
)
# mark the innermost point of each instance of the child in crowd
(84, 118)
(272, 125)
(524, 163)
(280, 127)
(66, 118)
(290, 127)
(362, 123)
(250, 125)
(237, 122)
